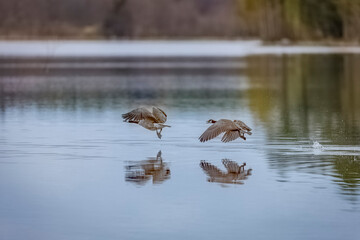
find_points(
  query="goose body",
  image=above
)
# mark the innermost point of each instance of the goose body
(232, 129)
(153, 121)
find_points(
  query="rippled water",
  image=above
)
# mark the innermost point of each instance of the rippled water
(71, 169)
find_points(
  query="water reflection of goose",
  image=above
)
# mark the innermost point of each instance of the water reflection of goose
(141, 172)
(150, 120)
(235, 173)
(233, 130)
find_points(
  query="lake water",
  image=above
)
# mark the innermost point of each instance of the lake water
(70, 168)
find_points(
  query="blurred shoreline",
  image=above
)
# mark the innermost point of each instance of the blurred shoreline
(283, 42)
(161, 48)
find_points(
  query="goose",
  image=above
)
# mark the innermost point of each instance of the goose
(233, 130)
(234, 174)
(153, 121)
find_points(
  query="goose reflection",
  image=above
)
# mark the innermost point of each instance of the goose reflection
(235, 173)
(142, 171)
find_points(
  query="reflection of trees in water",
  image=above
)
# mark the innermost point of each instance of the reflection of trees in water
(142, 171)
(347, 170)
(104, 83)
(306, 97)
(234, 173)
(350, 90)
(344, 170)
(303, 94)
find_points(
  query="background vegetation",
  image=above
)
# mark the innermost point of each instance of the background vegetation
(265, 19)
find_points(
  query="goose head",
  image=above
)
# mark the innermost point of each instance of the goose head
(211, 121)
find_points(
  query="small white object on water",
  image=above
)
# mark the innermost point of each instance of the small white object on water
(317, 145)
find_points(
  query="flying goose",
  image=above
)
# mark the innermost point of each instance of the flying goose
(233, 130)
(234, 173)
(150, 120)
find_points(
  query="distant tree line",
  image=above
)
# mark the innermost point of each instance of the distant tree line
(173, 18)
(52, 18)
(265, 19)
(303, 19)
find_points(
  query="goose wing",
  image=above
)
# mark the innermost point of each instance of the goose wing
(231, 166)
(138, 114)
(159, 114)
(211, 170)
(223, 125)
(230, 136)
(243, 126)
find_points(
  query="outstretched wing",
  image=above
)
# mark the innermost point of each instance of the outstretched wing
(223, 125)
(231, 136)
(159, 114)
(138, 114)
(231, 166)
(211, 170)
(243, 125)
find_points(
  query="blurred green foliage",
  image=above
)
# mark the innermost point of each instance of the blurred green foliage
(303, 19)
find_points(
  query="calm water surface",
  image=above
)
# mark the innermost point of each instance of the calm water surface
(71, 169)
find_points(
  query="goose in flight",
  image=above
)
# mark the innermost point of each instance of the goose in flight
(235, 172)
(232, 129)
(153, 121)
